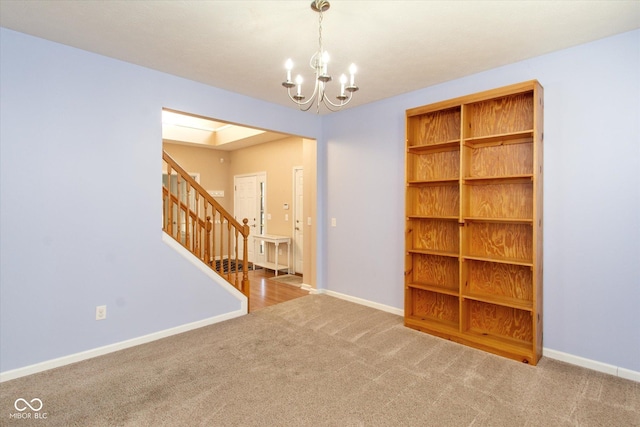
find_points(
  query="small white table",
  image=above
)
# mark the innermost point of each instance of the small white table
(276, 241)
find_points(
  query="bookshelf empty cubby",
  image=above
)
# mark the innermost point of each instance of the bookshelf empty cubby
(437, 308)
(473, 240)
(436, 273)
(500, 283)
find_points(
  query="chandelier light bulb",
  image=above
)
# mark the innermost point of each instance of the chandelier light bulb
(343, 81)
(289, 66)
(352, 71)
(299, 81)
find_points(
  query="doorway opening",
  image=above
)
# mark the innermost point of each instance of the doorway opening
(249, 172)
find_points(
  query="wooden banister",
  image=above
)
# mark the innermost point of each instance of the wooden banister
(191, 216)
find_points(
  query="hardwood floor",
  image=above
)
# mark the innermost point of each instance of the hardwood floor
(266, 292)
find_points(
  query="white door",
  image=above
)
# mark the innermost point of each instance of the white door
(249, 203)
(298, 230)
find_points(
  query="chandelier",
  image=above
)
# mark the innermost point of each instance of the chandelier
(318, 63)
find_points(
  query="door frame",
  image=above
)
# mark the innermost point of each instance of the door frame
(295, 267)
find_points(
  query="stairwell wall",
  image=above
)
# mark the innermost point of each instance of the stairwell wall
(80, 199)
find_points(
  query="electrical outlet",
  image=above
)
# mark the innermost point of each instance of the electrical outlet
(101, 312)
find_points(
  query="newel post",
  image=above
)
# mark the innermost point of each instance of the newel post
(207, 244)
(246, 288)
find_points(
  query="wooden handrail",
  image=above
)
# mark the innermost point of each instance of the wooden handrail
(196, 215)
(200, 189)
(183, 206)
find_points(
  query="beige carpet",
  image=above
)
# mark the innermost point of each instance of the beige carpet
(319, 361)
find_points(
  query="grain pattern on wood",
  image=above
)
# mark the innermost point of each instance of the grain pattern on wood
(500, 160)
(265, 292)
(514, 201)
(436, 270)
(432, 305)
(500, 115)
(435, 200)
(500, 241)
(434, 166)
(435, 127)
(499, 280)
(473, 167)
(507, 322)
(437, 235)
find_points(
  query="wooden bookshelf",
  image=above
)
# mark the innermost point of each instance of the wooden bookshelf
(473, 259)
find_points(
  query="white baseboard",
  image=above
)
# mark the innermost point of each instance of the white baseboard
(78, 357)
(628, 374)
(591, 364)
(361, 301)
(73, 358)
(308, 288)
(66, 360)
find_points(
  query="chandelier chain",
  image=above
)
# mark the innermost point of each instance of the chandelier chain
(320, 31)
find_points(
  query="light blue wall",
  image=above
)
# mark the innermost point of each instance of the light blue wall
(591, 199)
(80, 205)
(80, 211)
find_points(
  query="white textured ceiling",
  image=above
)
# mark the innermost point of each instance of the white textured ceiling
(399, 46)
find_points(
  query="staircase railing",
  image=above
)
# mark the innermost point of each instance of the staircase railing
(199, 223)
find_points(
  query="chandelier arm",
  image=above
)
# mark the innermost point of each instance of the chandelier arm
(316, 89)
(300, 104)
(327, 103)
(308, 107)
(311, 98)
(296, 101)
(342, 103)
(308, 101)
(328, 107)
